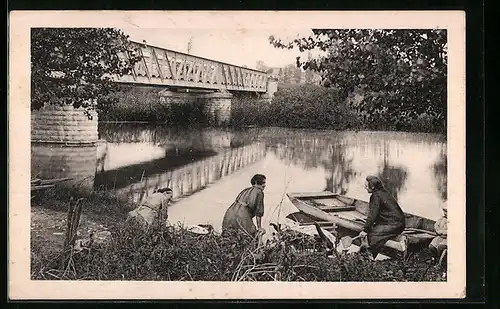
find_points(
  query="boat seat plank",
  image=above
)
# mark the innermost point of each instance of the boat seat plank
(327, 201)
(312, 195)
(336, 209)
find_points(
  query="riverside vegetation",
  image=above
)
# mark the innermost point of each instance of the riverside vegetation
(300, 106)
(174, 253)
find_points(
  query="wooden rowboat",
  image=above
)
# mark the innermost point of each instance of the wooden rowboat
(349, 214)
(41, 184)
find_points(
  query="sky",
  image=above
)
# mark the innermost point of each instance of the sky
(235, 46)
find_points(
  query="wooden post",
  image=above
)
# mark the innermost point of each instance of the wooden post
(74, 214)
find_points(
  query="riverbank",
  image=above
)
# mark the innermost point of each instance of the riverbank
(302, 106)
(173, 253)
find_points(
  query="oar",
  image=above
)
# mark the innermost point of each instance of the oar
(320, 223)
(322, 235)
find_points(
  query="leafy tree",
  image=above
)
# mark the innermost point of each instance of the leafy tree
(73, 66)
(402, 73)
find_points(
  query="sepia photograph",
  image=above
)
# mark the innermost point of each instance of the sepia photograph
(223, 153)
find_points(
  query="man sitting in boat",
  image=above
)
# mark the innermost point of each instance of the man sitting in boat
(154, 209)
(385, 219)
(439, 243)
(248, 204)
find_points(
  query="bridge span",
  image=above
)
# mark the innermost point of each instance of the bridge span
(163, 67)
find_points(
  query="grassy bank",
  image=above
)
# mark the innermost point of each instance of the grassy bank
(300, 106)
(174, 253)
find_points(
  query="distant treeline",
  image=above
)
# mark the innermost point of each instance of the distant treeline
(300, 106)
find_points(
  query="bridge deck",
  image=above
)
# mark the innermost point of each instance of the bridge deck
(160, 66)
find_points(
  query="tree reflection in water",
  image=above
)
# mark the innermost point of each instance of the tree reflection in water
(393, 177)
(309, 152)
(440, 169)
(341, 169)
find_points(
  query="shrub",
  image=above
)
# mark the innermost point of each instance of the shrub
(249, 110)
(311, 106)
(143, 104)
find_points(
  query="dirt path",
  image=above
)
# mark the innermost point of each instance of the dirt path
(48, 227)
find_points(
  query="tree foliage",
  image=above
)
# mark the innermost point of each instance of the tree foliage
(310, 106)
(73, 65)
(401, 74)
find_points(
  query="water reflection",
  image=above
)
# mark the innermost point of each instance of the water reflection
(164, 136)
(188, 173)
(341, 170)
(49, 161)
(401, 160)
(393, 177)
(135, 159)
(309, 160)
(125, 175)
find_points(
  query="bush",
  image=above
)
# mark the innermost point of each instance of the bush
(143, 104)
(247, 110)
(311, 106)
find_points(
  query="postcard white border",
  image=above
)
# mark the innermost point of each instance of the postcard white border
(21, 287)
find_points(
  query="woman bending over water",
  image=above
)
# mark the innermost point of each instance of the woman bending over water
(248, 204)
(154, 209)
(385, 218)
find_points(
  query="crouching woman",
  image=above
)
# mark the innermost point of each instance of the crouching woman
(154, 210)
(248, 204)
(385, 220)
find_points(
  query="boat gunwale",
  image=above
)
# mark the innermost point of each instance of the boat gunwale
(302, 196)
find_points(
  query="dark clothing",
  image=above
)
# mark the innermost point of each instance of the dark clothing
(384, 210)
(248, 204)
(385, 220)
(380, 234)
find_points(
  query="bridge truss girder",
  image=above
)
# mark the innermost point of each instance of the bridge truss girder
(163, 67)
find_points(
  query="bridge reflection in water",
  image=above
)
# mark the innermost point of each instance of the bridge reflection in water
(185, 171)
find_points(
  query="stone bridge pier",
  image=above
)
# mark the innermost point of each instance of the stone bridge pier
(217, 105)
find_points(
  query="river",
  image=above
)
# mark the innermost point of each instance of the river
(207, 168)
